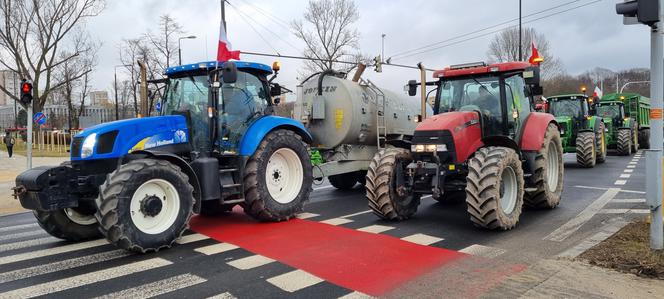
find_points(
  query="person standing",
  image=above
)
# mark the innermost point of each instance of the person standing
(9, 142)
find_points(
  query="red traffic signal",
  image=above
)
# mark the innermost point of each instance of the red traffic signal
(26, 92)
(27, 87)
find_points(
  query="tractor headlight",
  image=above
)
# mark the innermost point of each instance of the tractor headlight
(430, 148)
(88, 145)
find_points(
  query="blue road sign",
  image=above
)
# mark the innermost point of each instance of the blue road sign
(39, 118)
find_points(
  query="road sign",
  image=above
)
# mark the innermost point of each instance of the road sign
(39, 118)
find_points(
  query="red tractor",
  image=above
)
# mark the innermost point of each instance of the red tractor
(484, 142)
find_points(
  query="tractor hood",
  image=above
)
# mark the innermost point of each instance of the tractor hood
(459, 130)
(116, 139)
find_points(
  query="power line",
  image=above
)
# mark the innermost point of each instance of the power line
(252, 27)
(324, 60)
(268, 15)
(266, 28)
(394, 56)
(496, 31)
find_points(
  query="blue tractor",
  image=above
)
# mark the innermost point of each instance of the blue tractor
(215, 145)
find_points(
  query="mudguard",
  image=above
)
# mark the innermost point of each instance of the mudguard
(257, 131)
(534, 129)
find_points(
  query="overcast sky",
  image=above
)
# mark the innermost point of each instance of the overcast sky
(582, 38)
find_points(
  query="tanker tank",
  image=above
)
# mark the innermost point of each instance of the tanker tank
(343, 117)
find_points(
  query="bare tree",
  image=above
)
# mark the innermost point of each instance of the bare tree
(165, 41)
(505, 47)
(329, 35)
(34, 33)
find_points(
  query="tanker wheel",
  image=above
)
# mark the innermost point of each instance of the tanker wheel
(278, 177)
(546, 182)
(586, 153)
(71, 224)
(601, 144)
(211, 208)
(384, 200)
(624, 142)
(145, 205)
(494, 188)
(645, 138)
(344, 181)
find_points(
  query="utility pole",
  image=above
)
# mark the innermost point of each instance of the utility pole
(223, 14)
(520, 33)
(382, 47)
(15, 101)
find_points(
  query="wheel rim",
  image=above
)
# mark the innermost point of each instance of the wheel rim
(79, 218)
(508, 190)
(552, 171)
(603, 143)
(155, 193)
(284, 175)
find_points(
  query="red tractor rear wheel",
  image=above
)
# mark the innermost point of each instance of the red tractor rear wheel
(546, 182)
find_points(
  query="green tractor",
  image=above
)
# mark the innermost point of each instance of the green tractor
(627, 119)
(580, 131)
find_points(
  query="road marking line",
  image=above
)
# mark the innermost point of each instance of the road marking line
(294, 280)
(356, 295)
(624, 211)
(62, 265)
(51, 251)
(324, 187)
(336, 221)
(355, 214)
(17, 227)
(157, 288)
(606, 231)
(604, 189)
(22, 235)
(625, 176)
(632, 163)
(250, 262)
(216, 248)
(225, 295)
(629, 200)
(483, 251)
(375, 229)
(575, 223)
(631, 166)
(306, 215)
(28, 243)
(620, 182)
(191, 238)
(422, 239)
(85, 279)
(628, 170)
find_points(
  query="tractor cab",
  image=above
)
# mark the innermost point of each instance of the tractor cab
(612, 112)
(501, 93)
(571, 111)
(237, 95)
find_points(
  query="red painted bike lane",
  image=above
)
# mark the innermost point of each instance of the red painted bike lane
(374, 264)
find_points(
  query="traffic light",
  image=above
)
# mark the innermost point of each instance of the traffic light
(26, 92)
(378, 64)
(645, 11)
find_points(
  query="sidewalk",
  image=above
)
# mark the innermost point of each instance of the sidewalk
(9, 169)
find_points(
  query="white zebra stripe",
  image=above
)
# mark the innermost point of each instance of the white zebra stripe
(17, 227)
(22, 235)
(157, 288)
(28, 243)
(51, 251)
(85, 279)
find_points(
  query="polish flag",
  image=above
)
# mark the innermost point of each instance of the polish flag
(535, 58)
(224, 52)
(597, 93)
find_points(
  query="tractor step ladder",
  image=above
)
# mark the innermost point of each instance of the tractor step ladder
(381, 127)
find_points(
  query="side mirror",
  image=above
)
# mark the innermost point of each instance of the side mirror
(229, 74)
(536, 90)
(276, 101)
(275, 90)
(532, 76)
(412, 87)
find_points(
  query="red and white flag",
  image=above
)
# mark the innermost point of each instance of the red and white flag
(597, 93)
(224, 52)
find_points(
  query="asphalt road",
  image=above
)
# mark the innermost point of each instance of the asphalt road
(235, 257)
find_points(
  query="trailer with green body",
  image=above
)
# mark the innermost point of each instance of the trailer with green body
(580, 131)
(627, 120)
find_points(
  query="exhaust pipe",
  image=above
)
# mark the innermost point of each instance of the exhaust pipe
(423, 89)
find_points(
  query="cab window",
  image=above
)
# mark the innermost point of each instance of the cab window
(240, 103)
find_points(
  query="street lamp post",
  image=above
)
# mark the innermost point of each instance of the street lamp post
(633, 82)
(115, 86)
(180, 47)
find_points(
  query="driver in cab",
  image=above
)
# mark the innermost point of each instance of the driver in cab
(487, 102)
